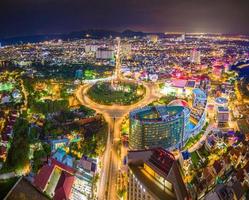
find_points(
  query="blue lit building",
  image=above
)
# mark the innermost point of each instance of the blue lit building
(199, 97)
(158, 126)
(79, 74)
(61, 156)
(169, 126)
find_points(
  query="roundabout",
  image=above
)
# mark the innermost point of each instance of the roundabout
(114, 115)
(123, 93)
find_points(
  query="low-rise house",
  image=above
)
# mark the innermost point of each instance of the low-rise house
(61, 156)
(218, 167)
(55, 179)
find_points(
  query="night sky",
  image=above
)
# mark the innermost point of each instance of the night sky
(31, 17)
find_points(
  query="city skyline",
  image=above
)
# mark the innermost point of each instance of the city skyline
(124, 100)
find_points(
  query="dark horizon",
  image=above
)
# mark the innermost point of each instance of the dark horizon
(42, 17)
(116, 31)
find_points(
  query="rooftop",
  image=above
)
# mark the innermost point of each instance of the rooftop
(161, 160)
(61, 156)
(64, 186)
(199, 93)
(179, 102)
(42, 177)
(180, 83)
(150, 184)
(157, 113)
(45, 172)
(223, 109)
(25, 191)
(190, 84)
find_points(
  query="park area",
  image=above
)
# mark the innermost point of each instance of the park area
(122, 94)
(199, 157)
(6, 87)
(165, 100)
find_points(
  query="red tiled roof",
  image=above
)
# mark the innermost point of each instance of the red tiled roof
(246, 167)
(42, 177)
(240, 175)
(64, 186)
(62, 166)
(217, 166)
(207, 175)
(4, 137)
(3, 150)
(179, 102)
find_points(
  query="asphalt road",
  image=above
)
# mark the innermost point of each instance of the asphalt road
(114, 115)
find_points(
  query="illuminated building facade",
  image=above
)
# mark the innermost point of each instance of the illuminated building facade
(195, 56)
(222, 114)
(153, 38)
(91, 48)
(79, 74)
(160, 126)
(104, 53)
(217, 71)
(179, 87)
(154, 174)
(199, 98)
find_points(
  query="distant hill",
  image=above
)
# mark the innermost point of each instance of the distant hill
(96, 34)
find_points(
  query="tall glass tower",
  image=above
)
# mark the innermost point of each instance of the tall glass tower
(160, 126)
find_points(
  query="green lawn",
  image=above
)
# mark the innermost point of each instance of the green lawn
(127, 93)
(195, 158)
(203, 152)
(53, 181)
(165, 100)
(193, 140)
(6, 87)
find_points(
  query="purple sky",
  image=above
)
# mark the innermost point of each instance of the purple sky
(28, 17)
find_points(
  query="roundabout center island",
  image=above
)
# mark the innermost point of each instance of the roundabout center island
(120, 93)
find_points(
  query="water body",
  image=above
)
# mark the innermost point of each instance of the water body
(242, 68)
(190, 126)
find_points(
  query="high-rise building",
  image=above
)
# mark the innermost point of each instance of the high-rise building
(222, 114)
(154, 175)
(153, 38)
(217, 71)
(126, 49)
(199, 98)
(159, 126)
(195, 56)
(181, 38)
(104, 53)
(91, 48)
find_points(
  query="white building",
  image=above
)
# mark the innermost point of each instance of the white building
(195, 56)
(222, 114)
(104, 53)
(199, 97)
(154, 175)
(91, 48)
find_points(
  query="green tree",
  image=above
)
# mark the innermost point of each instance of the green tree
(18, 154)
